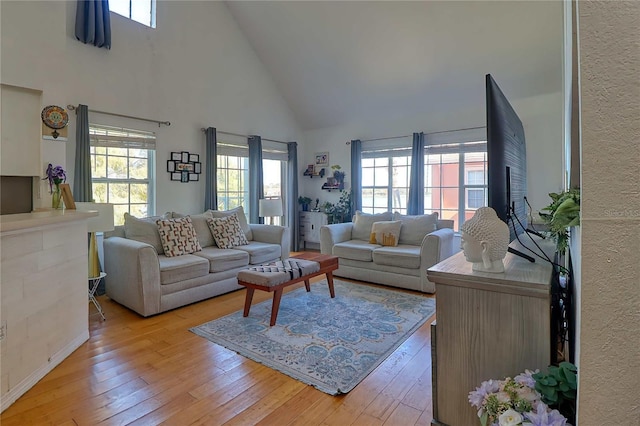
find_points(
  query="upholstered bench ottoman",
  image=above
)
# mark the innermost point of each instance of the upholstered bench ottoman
(275, 276)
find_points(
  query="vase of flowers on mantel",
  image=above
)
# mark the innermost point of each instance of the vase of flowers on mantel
(56, 176)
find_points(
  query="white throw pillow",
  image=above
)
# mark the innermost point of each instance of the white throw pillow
(144, 230)
(364, 221)
(227, 231)
(386, 233)
(178, 236)
(414, 228)
(241, 217)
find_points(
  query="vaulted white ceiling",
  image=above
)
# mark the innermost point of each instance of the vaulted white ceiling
(338, 62)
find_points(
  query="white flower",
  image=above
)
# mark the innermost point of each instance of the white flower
(510, 418)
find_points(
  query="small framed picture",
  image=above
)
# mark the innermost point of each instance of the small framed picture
(184, 176)
(176, 156)
(176, 176)
(310, 168)
(171, 166)
(322, 159)
(194, 177)
(185, 157)
(185, 167)
(194, 158)
(197, 168)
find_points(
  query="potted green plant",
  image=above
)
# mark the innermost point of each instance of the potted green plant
(338, 174)
(341, 211)
(304, 202)
(560, 215)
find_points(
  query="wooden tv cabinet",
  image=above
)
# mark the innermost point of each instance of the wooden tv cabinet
(489, 326)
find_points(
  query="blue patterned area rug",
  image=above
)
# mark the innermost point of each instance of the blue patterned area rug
(331, 344)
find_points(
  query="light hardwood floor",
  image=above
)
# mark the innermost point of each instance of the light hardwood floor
(150, 371)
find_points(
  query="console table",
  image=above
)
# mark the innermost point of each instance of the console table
(489, 326)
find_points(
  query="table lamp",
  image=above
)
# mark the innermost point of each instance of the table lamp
(101, 223)
(270, 207)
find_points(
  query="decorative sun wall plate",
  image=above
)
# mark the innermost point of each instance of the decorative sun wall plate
(56, 118)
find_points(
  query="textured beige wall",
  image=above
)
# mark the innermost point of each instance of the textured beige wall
(609, 363)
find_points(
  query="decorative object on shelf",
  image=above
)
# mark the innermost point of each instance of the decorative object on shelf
(485, 239)
(317, 207)
(529, 398)
(341, 211)
(270, 207)
(184, 167)
(102, 223)
(55, 175)
(338, 174)
(67, 196)
(304, 202)
(56, 118)
(313, 171)
(563, 213)
(321, 159)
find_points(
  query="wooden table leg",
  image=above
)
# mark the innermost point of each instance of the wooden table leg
(307, 285)
(330, 282)
(277, 295)
(247, 301)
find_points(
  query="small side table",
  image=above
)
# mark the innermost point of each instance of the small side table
(93, 286)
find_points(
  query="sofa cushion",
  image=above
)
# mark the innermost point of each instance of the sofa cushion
(223, 259)
(180, 268)
(363, 223)
(241, 217)
(386, 232)
(202, 228)
(404, 256)
(178, 236)
(355, 249)
(227, 231)
(414, 228)
(144, 230)
(261, 252)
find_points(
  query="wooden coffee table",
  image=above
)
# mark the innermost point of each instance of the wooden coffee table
(327, 263)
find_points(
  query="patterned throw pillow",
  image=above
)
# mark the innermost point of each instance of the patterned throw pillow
(178, 236)
(386, 233)
(227, 231)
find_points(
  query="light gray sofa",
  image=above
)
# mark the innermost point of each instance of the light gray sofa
(142, 278)
(424, 241)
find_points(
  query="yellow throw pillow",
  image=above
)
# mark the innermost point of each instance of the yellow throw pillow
(387, 233)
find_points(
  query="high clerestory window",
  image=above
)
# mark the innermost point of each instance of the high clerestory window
(142, 11)
(122, 169)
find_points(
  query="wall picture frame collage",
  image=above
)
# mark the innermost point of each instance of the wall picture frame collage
(184, 167)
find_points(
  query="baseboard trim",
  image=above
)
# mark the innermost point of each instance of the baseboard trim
(33, 378)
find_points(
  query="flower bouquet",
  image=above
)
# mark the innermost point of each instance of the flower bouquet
(516, 401)
(55, 175)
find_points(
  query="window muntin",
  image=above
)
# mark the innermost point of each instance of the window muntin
(122, 167)
(142, 11)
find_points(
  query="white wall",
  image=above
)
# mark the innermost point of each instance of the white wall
(196, 69)
(609, 333)
(540, 115)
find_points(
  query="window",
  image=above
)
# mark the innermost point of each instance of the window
(274, 172)
(233, 176)
(122, 169)
(455, 174)
(142, 11)
(385, 176)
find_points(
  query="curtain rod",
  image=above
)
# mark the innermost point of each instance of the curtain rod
(243, 136)
(406, 136)
(160, 123)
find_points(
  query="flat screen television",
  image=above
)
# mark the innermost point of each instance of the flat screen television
(506, 160)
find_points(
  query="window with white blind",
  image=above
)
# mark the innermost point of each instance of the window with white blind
(233, 174)
(386, 169)
(142, 11)
(455, 174)
(122, 169)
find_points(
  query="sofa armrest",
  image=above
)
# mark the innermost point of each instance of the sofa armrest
(331, 235)
(436, 246)
(133, 274)
(273, 234)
